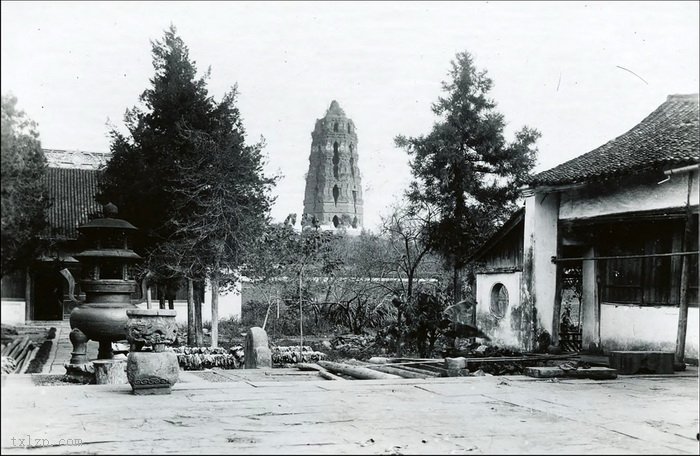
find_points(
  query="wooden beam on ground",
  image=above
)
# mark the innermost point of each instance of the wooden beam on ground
(439, 370)
(362, 373)
(27, 359)
(595, 373)
(400, 371)
(418, 370)
(309, 367)
(11, 346)
(15, 352)
(328, 376)
(321, 371)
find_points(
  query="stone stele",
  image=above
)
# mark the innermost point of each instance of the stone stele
(257, 349)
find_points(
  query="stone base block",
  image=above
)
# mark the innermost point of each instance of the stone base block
(152, 390)
(80, 372)
(154, 371)
(642, 362)
(456, 363)
(110, 372)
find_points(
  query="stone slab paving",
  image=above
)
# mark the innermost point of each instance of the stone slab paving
(284, 412)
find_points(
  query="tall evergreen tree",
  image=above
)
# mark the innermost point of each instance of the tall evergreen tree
(24, 193)
(465, 166)
(185, 175)
(146, 162)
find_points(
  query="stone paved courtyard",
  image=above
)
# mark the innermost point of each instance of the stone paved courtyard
(284, 411)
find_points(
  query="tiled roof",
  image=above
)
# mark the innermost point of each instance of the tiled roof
(73, 192)
(668, 137)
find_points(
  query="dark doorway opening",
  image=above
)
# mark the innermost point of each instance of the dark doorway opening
(48, 295)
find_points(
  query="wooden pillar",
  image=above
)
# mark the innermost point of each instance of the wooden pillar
(589, 300)
(685, 276)
(559, 275)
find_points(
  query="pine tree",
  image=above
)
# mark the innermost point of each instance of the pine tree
(465, 166)
(185, 176)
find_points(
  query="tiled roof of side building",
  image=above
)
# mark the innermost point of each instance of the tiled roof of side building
(73, 192)
(668, 137)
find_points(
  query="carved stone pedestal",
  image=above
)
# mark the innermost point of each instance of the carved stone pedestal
(151, 372)
(155, 371)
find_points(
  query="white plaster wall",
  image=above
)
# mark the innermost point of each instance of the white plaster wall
(485, 283)
(12, 311)
(646, 328)
(540, 231)
(229, 306)
(641, 197)
(503, 334)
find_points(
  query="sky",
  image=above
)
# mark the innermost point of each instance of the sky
(582, 73)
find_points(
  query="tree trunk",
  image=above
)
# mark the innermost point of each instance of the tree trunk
(267, 314)
(198, 330)
(455, 283)
(191, 337)
(399, 339)
(147, 286)
(301, 319)
(161, 296)
(215, 312)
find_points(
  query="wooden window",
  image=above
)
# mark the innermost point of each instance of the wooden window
(650, 280)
